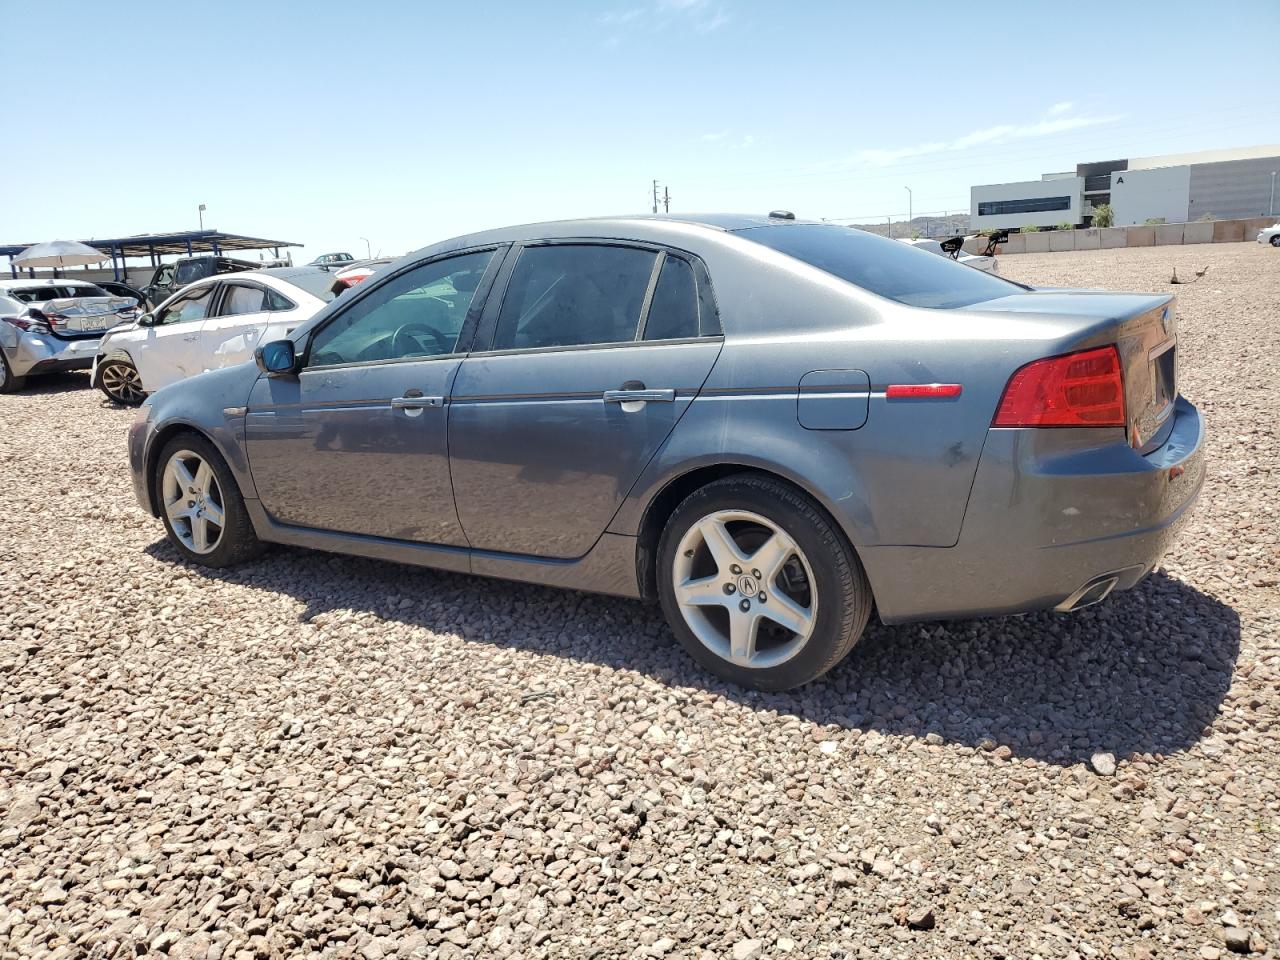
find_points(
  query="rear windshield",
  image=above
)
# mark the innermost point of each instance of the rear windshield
(43, 293)
(897, 271)
(318, 284)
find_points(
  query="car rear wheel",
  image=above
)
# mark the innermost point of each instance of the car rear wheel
(758, 584)
(201, 505)
(8, 382)
(1275, 241)
(119, 380)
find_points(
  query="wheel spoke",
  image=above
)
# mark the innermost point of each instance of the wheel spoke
(213, 513)
(203, 475)
(178, 509)
(781, 609)
(724, 550)
(180, 472)
(773, 553)
(742, 636)
(200, 533)
(706, 592)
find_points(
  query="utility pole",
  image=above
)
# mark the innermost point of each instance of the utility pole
(889, 221)
(202, 209)
(1271, 207)
(666, 200)
(655, 196)
(367, 249)
(909, 216)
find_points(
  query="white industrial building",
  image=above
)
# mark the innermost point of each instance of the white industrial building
(1175, 188)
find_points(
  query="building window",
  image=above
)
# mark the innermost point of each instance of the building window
(995, 208)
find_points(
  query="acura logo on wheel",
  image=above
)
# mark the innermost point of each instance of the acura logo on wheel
(747, 586)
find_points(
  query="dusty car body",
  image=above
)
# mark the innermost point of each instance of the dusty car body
(47, 326)
(1270, 235)
(819, 419)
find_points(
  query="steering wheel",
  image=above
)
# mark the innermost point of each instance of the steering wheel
(408, 330)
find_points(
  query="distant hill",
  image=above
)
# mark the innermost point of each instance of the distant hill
(956, 223)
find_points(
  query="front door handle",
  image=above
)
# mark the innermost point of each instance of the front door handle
(416, 403)
(640, 396)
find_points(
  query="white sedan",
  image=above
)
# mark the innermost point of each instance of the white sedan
(216, 322)
(953, 247)
(1270, 235)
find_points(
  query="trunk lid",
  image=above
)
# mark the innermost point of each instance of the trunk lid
(87, 316)
(1142, 327)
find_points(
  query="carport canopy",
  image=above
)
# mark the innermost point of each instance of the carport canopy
(157, 245)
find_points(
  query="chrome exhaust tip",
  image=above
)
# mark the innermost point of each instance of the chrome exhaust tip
(1094, 591)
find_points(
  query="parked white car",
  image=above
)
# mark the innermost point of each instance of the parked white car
(51, 325)
(215, 322)
(1270, 235)
(952, 247)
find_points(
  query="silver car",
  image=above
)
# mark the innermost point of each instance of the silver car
(769, 426)
(49, 325)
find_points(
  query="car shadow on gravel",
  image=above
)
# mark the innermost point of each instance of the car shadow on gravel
(66, 381)
(1142, 673)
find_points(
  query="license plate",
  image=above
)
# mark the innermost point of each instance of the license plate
(86, 324)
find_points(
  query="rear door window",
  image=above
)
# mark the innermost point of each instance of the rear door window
(673, 311)
(241, 298)
(897, 271)
(564, 295)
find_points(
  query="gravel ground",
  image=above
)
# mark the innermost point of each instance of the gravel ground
(323, 755)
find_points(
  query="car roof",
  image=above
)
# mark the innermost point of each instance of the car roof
(669, 226)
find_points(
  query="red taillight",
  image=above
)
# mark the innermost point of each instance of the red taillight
(1076, 390)
(352, 281)
(27, 323)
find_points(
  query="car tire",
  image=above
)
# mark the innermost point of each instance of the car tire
(118, 378)
(747, 550)
(192, 501)
(9, 382)
(1275, 241)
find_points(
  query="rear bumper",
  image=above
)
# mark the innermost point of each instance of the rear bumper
(1054, 521)
(34, 353)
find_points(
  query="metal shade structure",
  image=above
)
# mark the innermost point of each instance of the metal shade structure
(155, 245)
(59, 253)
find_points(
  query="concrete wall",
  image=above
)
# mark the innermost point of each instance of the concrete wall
(1111, 238)
(1233, 190)
(1070, 187)
(1141, 195)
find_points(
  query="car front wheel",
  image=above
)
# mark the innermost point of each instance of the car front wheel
(1275, 241)
(758, 584)
(119, 380)
(201, 505)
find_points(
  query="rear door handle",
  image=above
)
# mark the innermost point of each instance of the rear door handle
(642, 396)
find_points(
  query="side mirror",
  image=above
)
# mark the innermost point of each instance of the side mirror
(147, 320)
(277, 358)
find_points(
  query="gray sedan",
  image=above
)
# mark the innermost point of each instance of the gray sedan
(769, 426)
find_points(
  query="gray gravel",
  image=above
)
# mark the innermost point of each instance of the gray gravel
(329, 756)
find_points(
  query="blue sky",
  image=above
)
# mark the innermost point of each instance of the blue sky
(410, 122)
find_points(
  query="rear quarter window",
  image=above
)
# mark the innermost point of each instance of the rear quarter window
(895, 271)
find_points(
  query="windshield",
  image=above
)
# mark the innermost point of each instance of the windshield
(897, 271)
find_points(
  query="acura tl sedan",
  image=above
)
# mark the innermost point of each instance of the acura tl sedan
(768, 425)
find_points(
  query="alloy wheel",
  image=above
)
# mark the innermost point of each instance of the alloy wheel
(745, 588)
(121, 382)
(193, 502)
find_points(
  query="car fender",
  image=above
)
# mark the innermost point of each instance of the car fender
(111, 353)
(212, 404)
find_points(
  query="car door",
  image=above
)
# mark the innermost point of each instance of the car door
(357, 442)
(597, 350)
(233, 330)
(170, 348)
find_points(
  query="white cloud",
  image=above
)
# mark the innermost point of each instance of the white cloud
(1054, 121)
